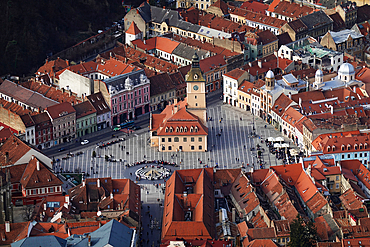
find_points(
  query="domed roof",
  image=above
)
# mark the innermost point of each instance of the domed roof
(319, 73)
(270, 74)
(346, 69)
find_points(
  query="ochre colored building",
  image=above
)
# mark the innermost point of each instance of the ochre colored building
(182, 125)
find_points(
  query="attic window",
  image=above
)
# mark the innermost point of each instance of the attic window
(186, 129)
(348, 147)
(177, 129)
(171, 129)
(276, 107)
(166, 129)
(355, 146)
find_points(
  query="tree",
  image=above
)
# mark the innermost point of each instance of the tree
(302, 234)
(28, 212)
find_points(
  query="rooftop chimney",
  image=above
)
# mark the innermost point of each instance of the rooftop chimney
(38, 165)
(98, 183)
(83, 182)
(7, 226)
(111, 195)
(89, 240)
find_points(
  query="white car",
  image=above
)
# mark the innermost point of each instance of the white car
(84, 142)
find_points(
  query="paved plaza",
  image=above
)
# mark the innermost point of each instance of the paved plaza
(229, 145)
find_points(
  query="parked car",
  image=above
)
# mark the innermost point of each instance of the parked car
(84, 142)
(61, 149)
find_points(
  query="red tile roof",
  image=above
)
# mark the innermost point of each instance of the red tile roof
(235, 73)
(257, 17)
(282, 228)
(200, 201)
(159, 43)
(358, 169)
(15, 149)
(262, 233)
(133, 29)
(55, 111)
(16, 230)
(97, 100)
(50, 67)
(84, 109)
(255, 6)
(261, 243)
(37, 178)
(289, 9)
(350, 200)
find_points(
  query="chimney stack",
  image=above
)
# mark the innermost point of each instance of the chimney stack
(111, 195)
(98, 183)
(38, 165)
(89, 240)
(7, 226)
(83, 182)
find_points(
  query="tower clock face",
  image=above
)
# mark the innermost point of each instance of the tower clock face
(195, 87)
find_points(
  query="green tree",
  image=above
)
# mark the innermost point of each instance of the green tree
(302, 234)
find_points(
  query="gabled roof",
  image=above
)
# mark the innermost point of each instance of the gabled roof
(160, 84)
(316, 19)
(15, 230)
(133, 29)
(221, 5)
(14, 148)
(289, 9)
(83, 109)
(25, 95)
(255, 6)
(338, 23)
(97, 100)
(235, 73)
(281, 104)
(53, 93)
(41, 177)
(50, 67)
(257, 17)
(350, 200)
(59, 110)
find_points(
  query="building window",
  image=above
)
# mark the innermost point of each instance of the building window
(169, 139)
(200, 139)
(192, 139)
(348, 156)
(163, 139)
(185, 139)
(169, 148)
(200, 147)
(192, 147)
(176, 139)
(337, 178)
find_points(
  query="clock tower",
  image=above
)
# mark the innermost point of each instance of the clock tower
(196, 91)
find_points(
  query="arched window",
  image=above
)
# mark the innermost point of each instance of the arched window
(196, 129)
(181, 129)
(348, 147)
(343, 147)
(328, 148)
(177, 129)
(191, 129)
(171, 129)
(365, 145)
(355, 146)
(186, 129)
(361, 146)
(176, 139)
(333, 148)
(166, 129)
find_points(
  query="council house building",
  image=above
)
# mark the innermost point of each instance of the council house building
(182, 126)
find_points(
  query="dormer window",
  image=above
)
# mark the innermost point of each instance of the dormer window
(343, 147)
(361, 146)
(355, 146)
(348, 147)
(186, 129)
(191, 129)
(171, 129)
(333, 148)
(329, 148)
(181, 129)
(365, 145)
(177, 129)
(196, 129)
(166, 129)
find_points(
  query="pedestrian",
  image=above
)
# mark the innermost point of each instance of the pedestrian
(244, 146)
(221, 130)
(212, 127)
(220, 120)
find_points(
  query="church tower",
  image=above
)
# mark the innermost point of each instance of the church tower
(270, 80)
(196, 91)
